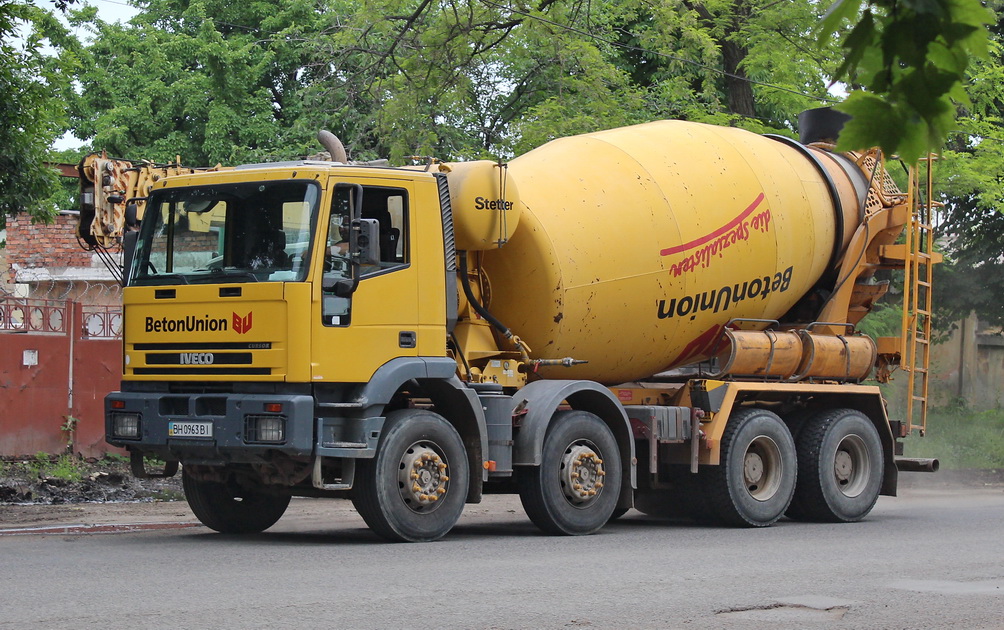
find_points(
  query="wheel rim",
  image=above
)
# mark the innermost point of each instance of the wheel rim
(762, 468)
(851, 466)
(581, 474)
(423, 477)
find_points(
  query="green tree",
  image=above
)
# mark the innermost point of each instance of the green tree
(467, 78)
(971, 178)
(29, 115)
(211, 80)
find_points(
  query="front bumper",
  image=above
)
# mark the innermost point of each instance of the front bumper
(234, 437)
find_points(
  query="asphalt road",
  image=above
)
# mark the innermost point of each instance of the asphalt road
(926, 559)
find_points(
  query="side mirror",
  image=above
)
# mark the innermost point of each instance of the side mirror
(345, 287)
(341, 287)
(129, 240)
(365, 241)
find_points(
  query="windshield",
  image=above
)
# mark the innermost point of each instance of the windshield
(239, 232)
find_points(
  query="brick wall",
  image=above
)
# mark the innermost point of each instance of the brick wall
(35, 245)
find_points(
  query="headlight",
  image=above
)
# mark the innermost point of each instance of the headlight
(125, 425)
(264, 429)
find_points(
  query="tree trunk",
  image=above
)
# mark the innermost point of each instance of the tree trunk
(739, 92)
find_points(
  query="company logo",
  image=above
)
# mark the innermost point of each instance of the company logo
(196, 358)
(190, 323)
(714, 244)
(242, 324)
(481, 203)
(722, 299)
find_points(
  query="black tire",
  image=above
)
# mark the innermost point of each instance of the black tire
(840, 468)
(413, 442)
(229, 509)
(756, 479)
(575, 489)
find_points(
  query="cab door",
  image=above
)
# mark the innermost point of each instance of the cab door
(357, 332)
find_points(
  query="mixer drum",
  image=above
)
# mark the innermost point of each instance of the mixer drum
(637, 245)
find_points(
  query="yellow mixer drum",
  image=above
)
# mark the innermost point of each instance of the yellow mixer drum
(636, 246)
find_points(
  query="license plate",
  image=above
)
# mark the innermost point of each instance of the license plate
(190, 429)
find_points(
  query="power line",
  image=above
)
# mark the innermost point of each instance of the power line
(121, 4)
(657, 53)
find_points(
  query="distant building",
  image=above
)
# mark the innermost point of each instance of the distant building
(969, 366)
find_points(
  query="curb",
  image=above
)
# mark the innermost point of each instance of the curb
(109, 528)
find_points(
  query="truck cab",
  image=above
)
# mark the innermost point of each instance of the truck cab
(272, 316)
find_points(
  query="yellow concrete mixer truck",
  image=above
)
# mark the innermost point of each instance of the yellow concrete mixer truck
(659, 317)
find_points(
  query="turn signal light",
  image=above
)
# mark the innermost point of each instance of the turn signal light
(273, 407)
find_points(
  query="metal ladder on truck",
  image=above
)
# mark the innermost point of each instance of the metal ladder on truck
(917, 300)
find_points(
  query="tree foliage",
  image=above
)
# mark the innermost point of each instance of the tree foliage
(468, 78)
(29, 115)
(910, 57)
(971, 178)
(218, 81)
(211, 80)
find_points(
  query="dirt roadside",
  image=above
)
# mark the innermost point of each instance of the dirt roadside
(35, 492)
(103, 497)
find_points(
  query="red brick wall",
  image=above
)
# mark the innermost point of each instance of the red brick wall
(33, 245)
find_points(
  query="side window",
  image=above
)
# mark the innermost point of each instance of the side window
(337, 265)
(389, 207)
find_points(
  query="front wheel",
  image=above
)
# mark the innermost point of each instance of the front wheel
(230, 509)
(415, 488)
(840, 467)
(756, 479)
(575, 489)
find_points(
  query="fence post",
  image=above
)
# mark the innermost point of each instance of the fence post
(74, 326)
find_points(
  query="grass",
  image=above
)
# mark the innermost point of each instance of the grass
(67, 467)
(961, 438)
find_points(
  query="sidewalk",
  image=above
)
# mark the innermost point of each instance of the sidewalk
(109, 518)
(91, 518)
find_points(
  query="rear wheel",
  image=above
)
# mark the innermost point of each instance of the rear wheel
(415, 488)
(756, 479)
(230, 509)
(840, 467)
(575, 489)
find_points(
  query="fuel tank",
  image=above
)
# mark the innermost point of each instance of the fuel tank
(636, 246)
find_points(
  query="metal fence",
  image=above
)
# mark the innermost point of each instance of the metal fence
(58, 359)
(24, 315)
(102, 322)
(52, 317)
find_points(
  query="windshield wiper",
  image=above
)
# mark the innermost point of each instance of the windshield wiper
(163, 278)
(223, 274)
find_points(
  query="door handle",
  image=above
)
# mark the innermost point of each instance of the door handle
(407, 339)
